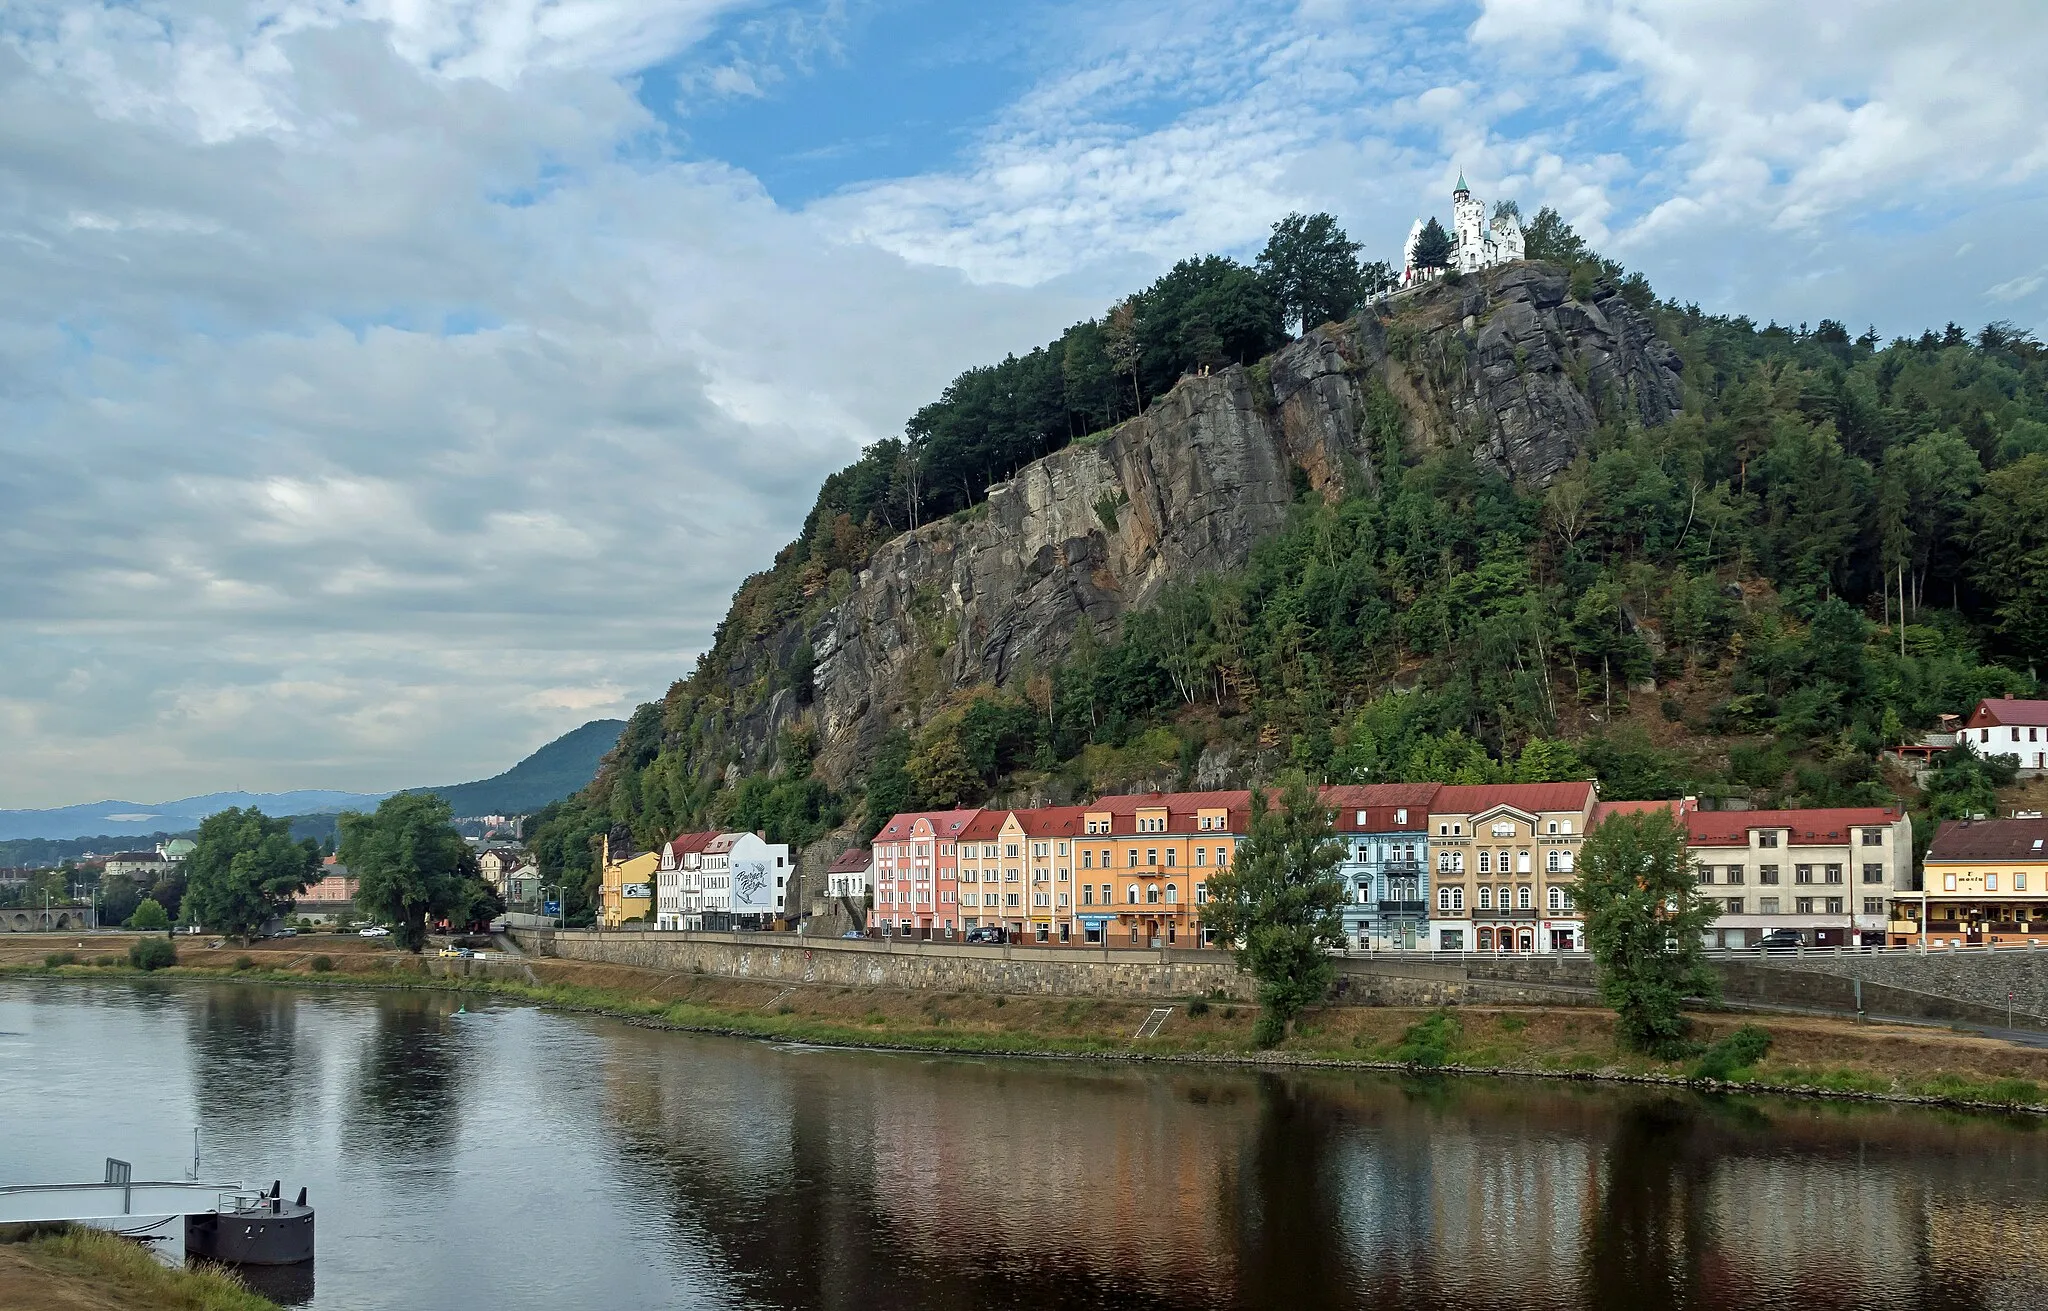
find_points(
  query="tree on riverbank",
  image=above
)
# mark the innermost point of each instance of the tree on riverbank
(244, 870)
(1645, 923)
(1278, 904)
(411, 864)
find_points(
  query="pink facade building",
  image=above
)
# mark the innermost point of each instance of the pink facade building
(917, 872)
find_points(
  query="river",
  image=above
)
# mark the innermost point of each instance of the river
(504, 1157)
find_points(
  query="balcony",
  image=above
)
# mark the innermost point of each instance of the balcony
(1403, 909)
(1516, 916)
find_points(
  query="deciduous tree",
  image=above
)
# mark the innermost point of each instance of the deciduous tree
(244, 870)
(1277, 904)
(411, 864)
(1644, 924)
(1312, 267)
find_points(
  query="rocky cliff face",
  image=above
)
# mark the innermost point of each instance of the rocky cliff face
(1507, 366)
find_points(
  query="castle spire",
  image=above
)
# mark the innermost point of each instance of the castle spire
(1461, 188)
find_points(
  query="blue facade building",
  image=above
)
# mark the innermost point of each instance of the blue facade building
(1385, 829)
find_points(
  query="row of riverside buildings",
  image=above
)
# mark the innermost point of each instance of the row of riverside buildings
(1446, 867)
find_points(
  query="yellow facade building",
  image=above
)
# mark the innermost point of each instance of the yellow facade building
(627, 889)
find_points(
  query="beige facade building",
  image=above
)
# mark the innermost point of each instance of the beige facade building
(1505, 857)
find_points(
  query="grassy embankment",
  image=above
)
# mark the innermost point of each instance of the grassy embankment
(1838, 1057)
(79, 1269)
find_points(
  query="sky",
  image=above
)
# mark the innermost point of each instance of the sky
(388, 386)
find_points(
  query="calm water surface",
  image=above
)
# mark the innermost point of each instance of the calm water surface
(508, 1158)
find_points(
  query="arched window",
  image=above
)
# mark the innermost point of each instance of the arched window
(1172, 894)
(1485, 897)
(1486, 862)
(1557, 898)
(1131, 894)
(1151, 894)
(1522, 899)
(1443, 898)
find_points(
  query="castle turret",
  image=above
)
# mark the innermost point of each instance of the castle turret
(1468, 221)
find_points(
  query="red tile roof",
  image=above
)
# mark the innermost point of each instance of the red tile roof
(1990, 839)
(986, 825)
(1472, 798)
(1051, 821)
(2005, 710)
(1808, 828)
(945, 823)
(855, 861)
(1126, 803)
(1602, 809)
(684, 844)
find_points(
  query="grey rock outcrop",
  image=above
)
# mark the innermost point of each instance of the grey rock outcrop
(1521, 374)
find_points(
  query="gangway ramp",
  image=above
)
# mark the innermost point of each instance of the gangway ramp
(38, 1203)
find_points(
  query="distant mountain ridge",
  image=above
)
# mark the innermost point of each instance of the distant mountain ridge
(549, 774)
(555, 771)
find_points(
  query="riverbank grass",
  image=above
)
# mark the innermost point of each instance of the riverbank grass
(81, 1269)
(1825, 1056)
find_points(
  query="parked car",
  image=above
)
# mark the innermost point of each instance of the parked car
(989, 933)
(374, 931)
(1780, 940)
(285, 933)
(853, 933)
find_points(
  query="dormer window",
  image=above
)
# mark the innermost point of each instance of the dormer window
(1401, 815)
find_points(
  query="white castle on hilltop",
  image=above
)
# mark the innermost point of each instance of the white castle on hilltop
(1475, 244)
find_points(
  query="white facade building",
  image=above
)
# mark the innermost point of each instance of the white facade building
(1476, 243)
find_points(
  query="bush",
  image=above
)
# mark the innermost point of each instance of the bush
(106, 960)
(322, 964)
(1429, 1041)
(1268, 1030)
(56, 958)
(153, 954)
(1733, 1056)
(1198, 1007)
(244, 963)
(149, 916)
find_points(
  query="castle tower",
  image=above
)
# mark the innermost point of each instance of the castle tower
(1408, 254)
(1468, 222)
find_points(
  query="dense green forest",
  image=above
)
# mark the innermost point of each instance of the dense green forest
(1838, 540)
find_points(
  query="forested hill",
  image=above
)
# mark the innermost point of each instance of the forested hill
(1529, 523)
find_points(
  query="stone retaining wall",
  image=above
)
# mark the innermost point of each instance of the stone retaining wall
(939, 967)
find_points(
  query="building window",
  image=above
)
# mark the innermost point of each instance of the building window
(1873, 905)
(1802, 873)
(1151, 894)
(1172, 894)
(1134, 858)
(1873, 873)
(1087, 894)
(1834, 905)
(1991, 883)
(1834, 873)
(1703, 874)
(1948, 883)
(1803, 905)
(1550, 861)
(1106, 894)
(1222, 855)
(1201, 855)
(1873, 837)
(1767, 839)
(1735, 875)
(1767, 905)
(1457, 898)
(1767, 874)
(1450, 940)
(1169, 857)
(2019, 882)
(1401, 815)
(1734, 905)
(1443, 898)
(1131, 894)
(1485, 896)
(1557, 899)
(1201, 894)
(1087, 860)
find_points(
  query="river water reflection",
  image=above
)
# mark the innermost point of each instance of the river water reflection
(511, 1158)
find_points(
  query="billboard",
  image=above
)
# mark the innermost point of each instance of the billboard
(633, 891)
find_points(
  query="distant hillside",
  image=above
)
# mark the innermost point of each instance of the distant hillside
(128, 819)
(559, 769)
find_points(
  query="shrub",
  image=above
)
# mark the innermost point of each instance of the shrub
(149, 915)
(1198, 1007)
(56, 958)
(322, 964)
(1268, 1030)
(1429, 1041)
(244, 963)
(1732, 1056)
(106, 960)
(153, 954)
